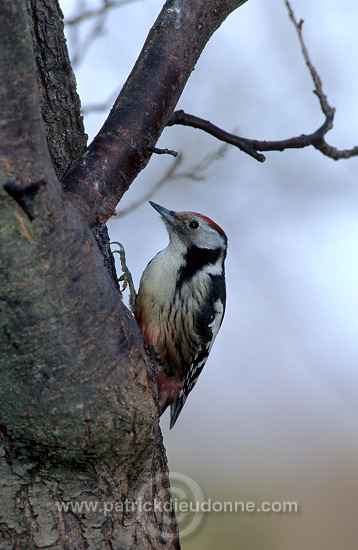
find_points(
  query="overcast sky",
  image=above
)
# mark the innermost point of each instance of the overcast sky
(274, 414)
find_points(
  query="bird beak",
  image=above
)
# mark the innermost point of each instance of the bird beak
(167, 215)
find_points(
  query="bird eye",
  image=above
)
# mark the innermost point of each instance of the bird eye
(194, 224)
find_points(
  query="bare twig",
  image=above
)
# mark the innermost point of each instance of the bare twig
(158, 151)
(98, 107)
(326, 108)
(99, 177)
(179, 117)
(194, 173)
(319, 142)
(81, 46)
(98, 17)
(252, 146)
(90, 14)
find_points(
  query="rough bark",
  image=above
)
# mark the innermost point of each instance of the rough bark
(78, 413)
(60, 104)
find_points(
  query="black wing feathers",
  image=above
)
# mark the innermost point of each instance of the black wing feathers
(203, 326)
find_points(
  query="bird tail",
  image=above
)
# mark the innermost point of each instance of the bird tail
(176, 407)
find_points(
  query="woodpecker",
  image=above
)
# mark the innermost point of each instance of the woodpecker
(181, 302)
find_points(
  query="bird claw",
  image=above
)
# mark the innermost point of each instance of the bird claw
(126, 277)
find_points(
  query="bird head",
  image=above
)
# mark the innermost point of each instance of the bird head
(192, 229)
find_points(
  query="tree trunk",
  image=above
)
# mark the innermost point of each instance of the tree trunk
(82, 459)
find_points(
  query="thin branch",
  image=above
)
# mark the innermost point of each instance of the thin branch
(90, 14)
(319, 142)
(168, 176)
(158, 151)
(172, 174)
(252, 146)
(326, 108)
(98, 17)
(99, 107)
(81, 47)
(245, 145)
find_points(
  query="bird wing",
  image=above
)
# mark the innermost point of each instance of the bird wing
(207, 325)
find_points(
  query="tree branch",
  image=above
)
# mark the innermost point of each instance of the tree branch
(162, 151)
(100, 177)
(318, 140)
(244, 144)
(63, 123)
(77, 392)
(252, 146)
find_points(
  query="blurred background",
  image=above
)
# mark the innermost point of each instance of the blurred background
(274, 416)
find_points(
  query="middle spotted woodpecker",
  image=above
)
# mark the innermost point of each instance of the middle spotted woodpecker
(181, 303)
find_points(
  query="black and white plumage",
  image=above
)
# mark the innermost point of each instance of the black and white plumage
(181, 302)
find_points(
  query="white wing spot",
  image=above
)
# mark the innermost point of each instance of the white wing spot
(215, 325)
